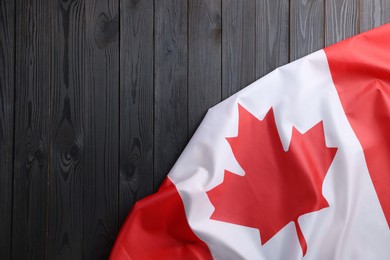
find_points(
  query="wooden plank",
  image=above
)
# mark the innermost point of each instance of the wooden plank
(204, 59)
(32, 88)
(341, 20)
(238, 45)
(101, 121)
(67, 147)
(136, 103)
(306, 27)
(373, 13)
(272, 35)
(7, 48)
(170, 112)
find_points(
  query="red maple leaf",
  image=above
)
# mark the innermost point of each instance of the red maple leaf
(278, 186)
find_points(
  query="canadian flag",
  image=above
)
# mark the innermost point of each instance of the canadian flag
(296, 165)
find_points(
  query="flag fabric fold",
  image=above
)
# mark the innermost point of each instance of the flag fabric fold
(294, 166)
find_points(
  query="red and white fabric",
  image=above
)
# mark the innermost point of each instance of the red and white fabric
(336, 104)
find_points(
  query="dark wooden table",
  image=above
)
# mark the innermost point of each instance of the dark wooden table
(99, 97)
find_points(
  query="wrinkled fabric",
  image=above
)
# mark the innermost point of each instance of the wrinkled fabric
(344, 88)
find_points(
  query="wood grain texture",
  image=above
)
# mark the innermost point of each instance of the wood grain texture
(7, 48)
(238, 45)
(272, 35)
(67, 146)
(306, 27)
(100, 130)
(98, 98)
(373, 13)
(32, 86)
(204, 59)
(341, 20)
(136, 103)
(170, 93)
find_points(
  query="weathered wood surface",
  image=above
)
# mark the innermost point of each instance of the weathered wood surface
(341, 20)
(238, 45)
(272, 35)
(68, 153)
(98, 98)
(100, 171)
(32, 129)
(306, 27)
(373, 13)
(7, 84)
(170, 84)
(204, 59)
(136, 103)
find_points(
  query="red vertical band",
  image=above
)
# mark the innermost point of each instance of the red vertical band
(360, 68)
(157, 228)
